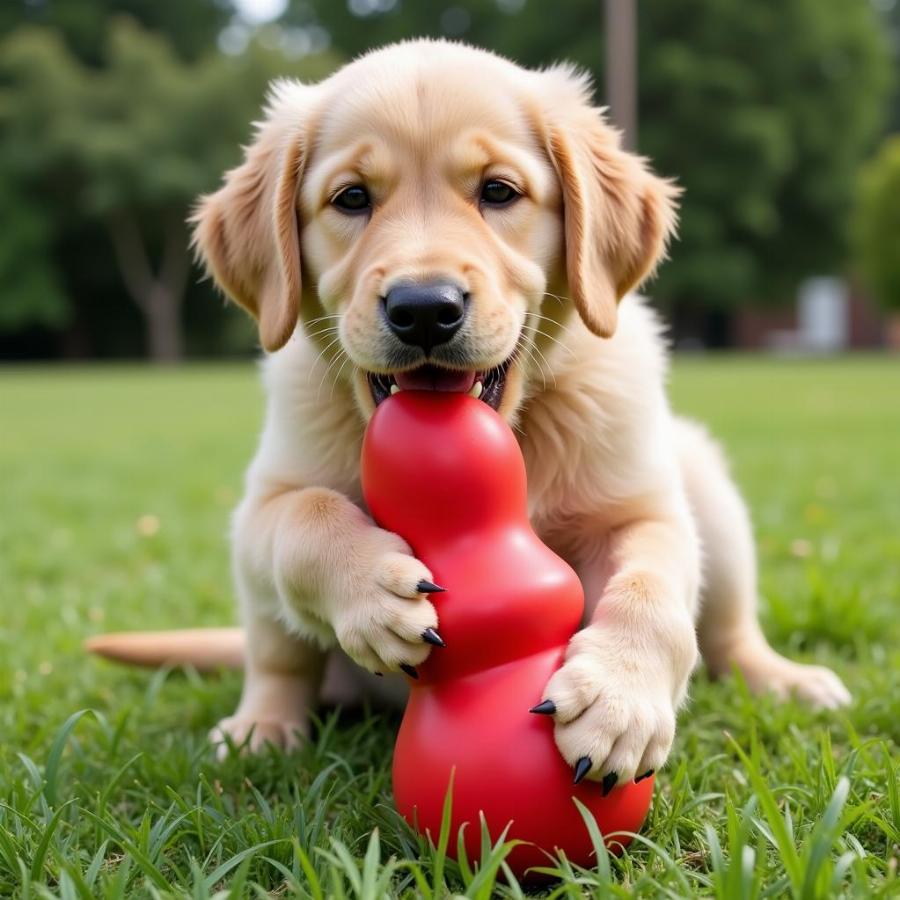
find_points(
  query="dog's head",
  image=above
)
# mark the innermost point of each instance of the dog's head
(443, 204)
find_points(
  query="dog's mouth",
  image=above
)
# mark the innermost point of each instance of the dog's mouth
(486, 386)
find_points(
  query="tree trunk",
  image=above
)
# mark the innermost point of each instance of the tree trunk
(158, 295)
(165, 343)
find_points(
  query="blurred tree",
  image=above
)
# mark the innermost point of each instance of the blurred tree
(31, 285)
(876, 224)
(890, 11)
(83, 25)
(125, 148)
(762, 111)
(30, 289)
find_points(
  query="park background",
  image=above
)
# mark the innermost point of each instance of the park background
(117, 478)
(778, 119)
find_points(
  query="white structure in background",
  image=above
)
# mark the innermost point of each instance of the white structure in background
(823, 319)
(823, 314)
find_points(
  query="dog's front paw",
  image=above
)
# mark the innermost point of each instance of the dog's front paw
(389, 624)
(248, 733)
(615, 720)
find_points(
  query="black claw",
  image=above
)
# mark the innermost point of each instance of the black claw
(379, 674)
(646, 774)
(429, 587)
(430, 636)
(582, 767)
(410, 670)
(544, 708)
(608, 783)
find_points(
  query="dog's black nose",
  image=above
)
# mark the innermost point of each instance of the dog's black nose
(425, 315)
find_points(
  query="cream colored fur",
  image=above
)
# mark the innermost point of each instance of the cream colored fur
(638, 501)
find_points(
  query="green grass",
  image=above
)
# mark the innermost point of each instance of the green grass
(115, 489)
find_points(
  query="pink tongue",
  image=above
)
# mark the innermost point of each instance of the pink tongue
(430, 378)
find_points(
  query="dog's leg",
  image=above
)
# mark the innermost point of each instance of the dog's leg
(313, 570)
(728, 627)
(282, 675)
(626, 672)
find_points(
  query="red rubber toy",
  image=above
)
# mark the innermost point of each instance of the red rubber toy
(445, 471)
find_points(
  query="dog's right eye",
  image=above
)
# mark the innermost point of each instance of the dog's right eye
(353, 199)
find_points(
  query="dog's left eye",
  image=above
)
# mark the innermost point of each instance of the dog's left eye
(498, 193)
(352, 199)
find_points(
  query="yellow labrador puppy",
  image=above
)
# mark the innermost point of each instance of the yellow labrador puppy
(435, 217)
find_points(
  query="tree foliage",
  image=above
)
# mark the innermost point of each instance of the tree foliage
(83, 25)
(123, 148)
(111, 124)
(877, 224)
(890, 12)
(762, 111)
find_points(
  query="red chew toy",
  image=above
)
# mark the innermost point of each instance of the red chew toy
(444, 471)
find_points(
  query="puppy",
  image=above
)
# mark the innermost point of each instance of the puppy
(435, 217)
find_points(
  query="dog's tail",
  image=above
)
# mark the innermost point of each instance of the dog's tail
(203, 648)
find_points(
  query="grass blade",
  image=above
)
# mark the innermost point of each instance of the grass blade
(221, 871)
(57, 748)
(40, 852)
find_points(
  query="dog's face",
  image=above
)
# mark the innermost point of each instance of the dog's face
(431, 220)
(436, 195)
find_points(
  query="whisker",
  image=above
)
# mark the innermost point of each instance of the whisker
(325, 349)
(337, 377)
(537, 349)
(542, 362)
(322, 352)
(531, 358)
(550, 319)
(535, 330)
(331, 365)
(557, 297)
(331, 329)
(549, 367)
(529, 349)
(320, 319)
(313, 327)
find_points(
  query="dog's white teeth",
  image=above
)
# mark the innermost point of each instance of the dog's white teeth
(476, 390)
(395, 389)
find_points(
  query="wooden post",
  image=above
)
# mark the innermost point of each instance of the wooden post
(621, 67)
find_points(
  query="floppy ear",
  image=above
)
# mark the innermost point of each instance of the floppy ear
(247, 232)
(618, 215)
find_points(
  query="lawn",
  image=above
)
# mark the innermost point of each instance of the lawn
(114, 499)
